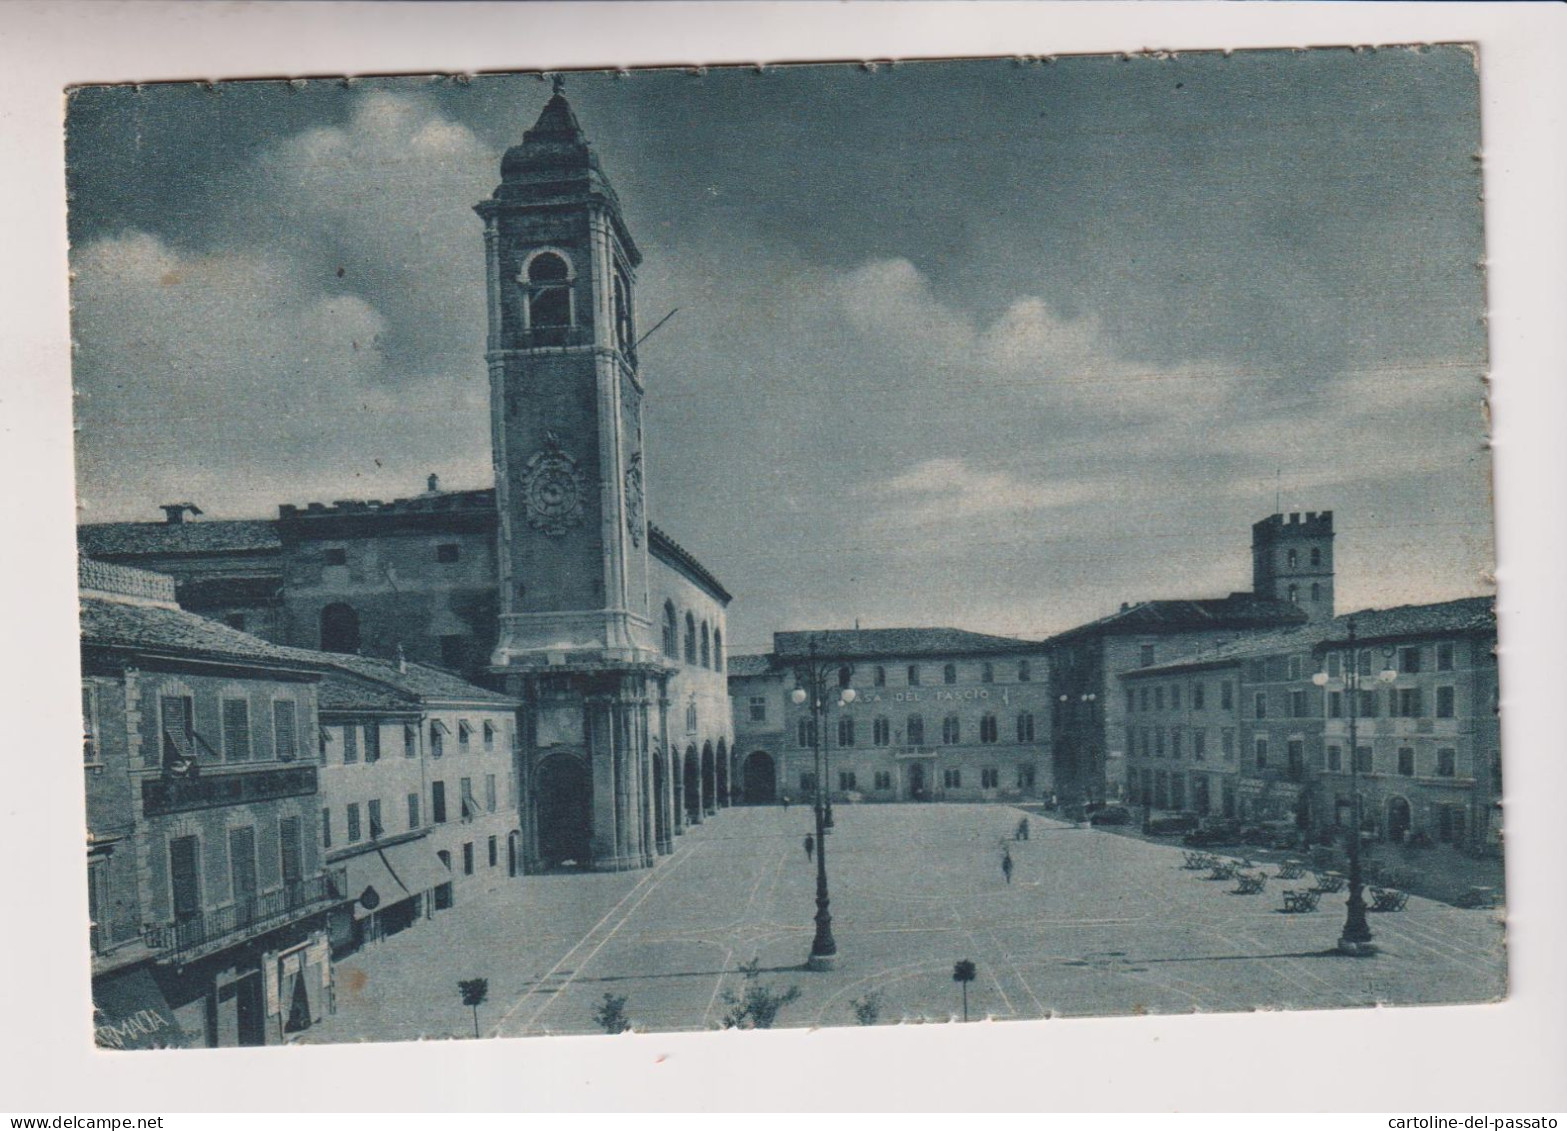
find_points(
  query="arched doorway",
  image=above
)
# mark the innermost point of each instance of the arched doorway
(339, 628)
(563, 795)
(723, 774)
(1397, 819)
(709, 778)
(759, 779)
(693, 787)
(660, 805)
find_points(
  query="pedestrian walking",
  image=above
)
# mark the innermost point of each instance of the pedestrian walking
(786, 802)
(1006, 866)
(810, 847)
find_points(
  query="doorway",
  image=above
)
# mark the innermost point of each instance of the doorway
(760, 779)
(250, 1010)
(1397, 820)
(916, 776)
(564, 798)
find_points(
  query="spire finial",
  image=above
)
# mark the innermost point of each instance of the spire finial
(558, 82)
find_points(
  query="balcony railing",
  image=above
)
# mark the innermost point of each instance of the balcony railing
(212, 931)
(550, 337)
(177, 795)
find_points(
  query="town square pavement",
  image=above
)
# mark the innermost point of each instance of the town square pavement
(1091, 924)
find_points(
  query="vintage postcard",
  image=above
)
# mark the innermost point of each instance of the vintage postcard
(822, 545)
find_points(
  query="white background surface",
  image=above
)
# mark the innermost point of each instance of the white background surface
(1507, 1057)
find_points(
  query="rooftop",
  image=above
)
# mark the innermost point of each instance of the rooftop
(743, 666)
(221, 536)
(872, 643)
(157, 628)
(408, 682)
(1238, 610)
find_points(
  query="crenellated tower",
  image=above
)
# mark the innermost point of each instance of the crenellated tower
(1292, 560)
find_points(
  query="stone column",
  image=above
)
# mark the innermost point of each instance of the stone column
(598, 722)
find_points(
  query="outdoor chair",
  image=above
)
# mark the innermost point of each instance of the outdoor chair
(1388, 899)
(1249, 883)
(1297, 902)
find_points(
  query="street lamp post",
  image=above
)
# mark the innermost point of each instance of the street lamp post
(812, 679)
(1356, 937)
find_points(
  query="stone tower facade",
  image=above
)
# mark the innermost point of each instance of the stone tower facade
(576, 638)
(1292, 560)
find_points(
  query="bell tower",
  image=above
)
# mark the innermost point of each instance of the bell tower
(575, 639)
(565, 405)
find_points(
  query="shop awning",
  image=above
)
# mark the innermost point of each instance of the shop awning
(371, 883)
(417, 867)
(130, 1012)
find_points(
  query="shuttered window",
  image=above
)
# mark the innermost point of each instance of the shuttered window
(236, 730)
(285, 730)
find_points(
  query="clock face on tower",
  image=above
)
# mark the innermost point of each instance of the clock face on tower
(552, 488)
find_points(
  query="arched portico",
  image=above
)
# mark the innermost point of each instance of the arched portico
(692, 776)
(563, 796)
(709, 779)
(722, 763)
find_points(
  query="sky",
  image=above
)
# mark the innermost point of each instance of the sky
(990, 344)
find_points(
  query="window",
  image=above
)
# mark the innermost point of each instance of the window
(1024, 674)
(373, 809)
(758, 708)
(1025, 775)
(447, 552)
(987, 728)
(350, 743)
(949, 673)
(1294, 667)
(707, 647)
(495, 854)
(285, 730)
(952, 779)
(691, 719)
(326, 828)
(1363, 759)
(1131, 700)
(807, 782)
(625, 337)
(916, 730)
(1199, 745)
(671, 632)
(1406, 761)
(883, 779)
(951, 732)
(1261, 751)
(1158, 742)
(467, 858)
(1446, 762)
(470, 807)
(1197, 697)
(690, 639)
(1227, 743)
(413, 810)
(1298, 704)
(1158, 698)
(236, 730)
(845, 676)
(1335, 704)
(1175, 697)
(1177, 791)
(807, 733)
(879, 676)
(89, 724)
(410, 740)
(1295, 758)
(718, 650)
(881, 731)
(353, 822)
(1291, 560)
(437, 738)
(1025, 727)
(1175, 742)
(548, 307)
(438, 802)
(1147, 743)
(1260, 705)
(1316, 555)
(1444, 657)
(914, 675)
(1409, 660)
(1145, 656)
(987, 674)
(489, 792)
(336, 556)
(1316, 591)
(1226, 696)
(339, 628)
(989, 778)
(1444, 702)
(1143, 697)
(845, 780)
(1369, 701)
(1335, 759)
(1364, 661)
(464, 736)
(1333, 665)
(846, 731)
(489, 735)
(372, 742)
(1409, 705)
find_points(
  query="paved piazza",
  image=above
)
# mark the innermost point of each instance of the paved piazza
(1093, 923)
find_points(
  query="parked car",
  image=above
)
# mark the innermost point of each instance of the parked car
(1111, 815)
(1172, 826)
(1215, 831)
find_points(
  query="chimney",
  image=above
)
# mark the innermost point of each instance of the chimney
(174, 513)
(434, 484)
(1125, 605)
(402, 660)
